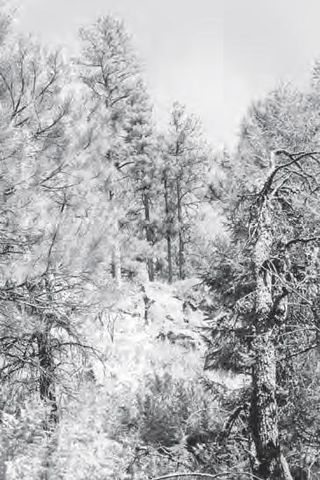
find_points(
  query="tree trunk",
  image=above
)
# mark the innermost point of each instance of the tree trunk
(271, 465)
(116, 252)
(181, 257)
(149, 234)
(168, 229)
(116, 263)
(147, 304)
(46, 382)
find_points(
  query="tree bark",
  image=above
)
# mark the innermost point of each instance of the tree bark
(116, 263)
(46, 382)
(149, 234)
(181, 257)
(116, 251)
(168, 229)
(271, 464)
(116, 257)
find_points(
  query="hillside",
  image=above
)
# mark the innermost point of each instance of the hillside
(159, 292)
(144, 389)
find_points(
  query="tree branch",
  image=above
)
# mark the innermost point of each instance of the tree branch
(301, 240)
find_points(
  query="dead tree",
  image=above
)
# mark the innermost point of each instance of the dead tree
(272, 287)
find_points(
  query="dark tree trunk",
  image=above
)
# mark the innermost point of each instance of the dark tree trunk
(46, 374)
(168, 229)
(271, 465)
(147, 305)
(116, 251)
(149, 234)
(181, 257)
(169, 248)
(116, 263)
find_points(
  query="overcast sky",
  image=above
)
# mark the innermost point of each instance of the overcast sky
(214, 55)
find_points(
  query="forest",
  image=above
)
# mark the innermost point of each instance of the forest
(159, 294)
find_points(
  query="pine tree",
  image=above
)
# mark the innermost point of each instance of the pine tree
(264, 275)
(37, 290)
(185, 163)
(140, 163)
(120, 116)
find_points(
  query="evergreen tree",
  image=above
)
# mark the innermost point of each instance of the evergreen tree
(39, 294)
(184, 167)
(264, 275)
(120, 124)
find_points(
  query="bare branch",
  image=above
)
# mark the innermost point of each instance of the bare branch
(294, 160)
(301, 240)
(206, 475)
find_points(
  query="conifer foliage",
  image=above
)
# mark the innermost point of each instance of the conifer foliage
(159, 298)
(267, 275)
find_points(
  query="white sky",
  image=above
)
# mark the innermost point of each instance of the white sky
(214, 55)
